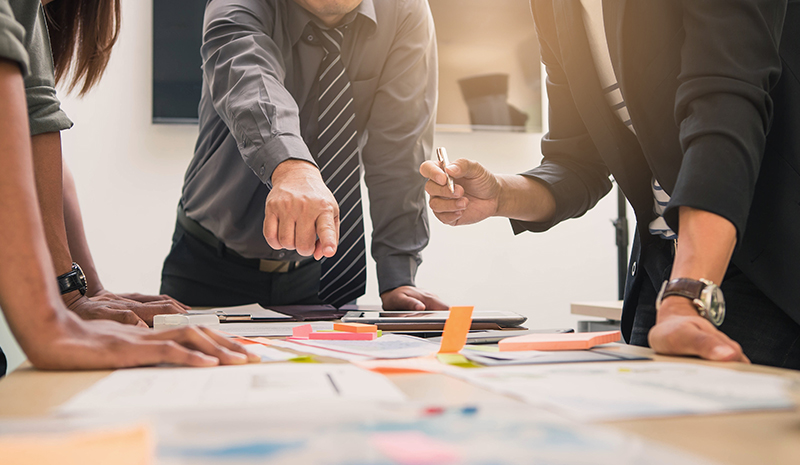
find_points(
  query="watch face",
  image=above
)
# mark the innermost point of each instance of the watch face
(714, 304)
(81, 278)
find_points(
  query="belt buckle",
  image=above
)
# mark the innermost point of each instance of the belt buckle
(273, 266)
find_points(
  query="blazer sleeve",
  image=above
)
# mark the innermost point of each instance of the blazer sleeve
(729, 63)
(572, 167)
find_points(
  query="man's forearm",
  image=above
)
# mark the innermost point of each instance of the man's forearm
(523, 198)
(705, 245)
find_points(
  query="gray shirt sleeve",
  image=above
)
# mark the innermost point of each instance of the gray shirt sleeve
(244, 71)
(400, 137)
(44, 108)
(11, 38)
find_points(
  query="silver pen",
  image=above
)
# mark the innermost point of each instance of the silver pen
(441, 154)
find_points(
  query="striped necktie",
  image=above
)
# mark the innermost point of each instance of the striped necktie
(344, 276)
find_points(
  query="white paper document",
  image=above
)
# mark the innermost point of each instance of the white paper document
(616, 390)
(318, 351)
(386, 346)
(268, 354)
(245, 386)
(254, 311)
(533, 357)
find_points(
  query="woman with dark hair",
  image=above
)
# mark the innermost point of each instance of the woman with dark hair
(51, 336)
(82, 34)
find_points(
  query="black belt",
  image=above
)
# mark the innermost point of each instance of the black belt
(205, 236)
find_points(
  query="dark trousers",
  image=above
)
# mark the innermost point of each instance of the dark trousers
(767, 335)
(200, 275)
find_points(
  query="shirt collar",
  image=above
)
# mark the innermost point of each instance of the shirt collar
(299, 17)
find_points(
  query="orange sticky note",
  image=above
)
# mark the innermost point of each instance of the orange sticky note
(558, 341)
(355, 327)
(342, 336)
(455, 330)
(302, 332)
(132, 445)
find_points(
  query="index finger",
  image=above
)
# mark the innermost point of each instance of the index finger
(271, 230)
(229, 344)
(328, 233)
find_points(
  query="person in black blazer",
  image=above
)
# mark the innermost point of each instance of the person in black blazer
(712, 90)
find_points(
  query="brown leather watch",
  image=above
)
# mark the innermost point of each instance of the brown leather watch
(706, 297)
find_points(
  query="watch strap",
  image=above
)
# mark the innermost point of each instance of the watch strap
(684, 287)
(72, 280)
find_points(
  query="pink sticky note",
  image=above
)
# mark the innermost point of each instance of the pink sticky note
(415, 448)
(558, 341)
(342, 336)
(302, 332)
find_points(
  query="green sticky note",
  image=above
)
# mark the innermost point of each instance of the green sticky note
(303, 359)
(457, 360)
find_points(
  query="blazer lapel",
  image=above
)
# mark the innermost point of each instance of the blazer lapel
(578, 64)
(613, 12)
(618, 147)
(576, 59)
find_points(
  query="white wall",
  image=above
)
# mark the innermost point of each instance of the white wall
(129, 174)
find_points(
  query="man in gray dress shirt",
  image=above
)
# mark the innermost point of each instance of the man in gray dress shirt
(256, 216)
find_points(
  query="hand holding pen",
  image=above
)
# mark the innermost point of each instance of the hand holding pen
(462, 192)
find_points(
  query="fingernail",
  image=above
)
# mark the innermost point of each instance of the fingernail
(722, 352)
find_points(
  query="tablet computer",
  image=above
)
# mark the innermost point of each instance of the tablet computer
(483, 319)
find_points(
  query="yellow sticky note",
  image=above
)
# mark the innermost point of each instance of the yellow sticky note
(455, 330)
(122, 446)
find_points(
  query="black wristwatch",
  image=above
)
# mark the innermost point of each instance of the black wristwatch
(705, 296)
(72, 281)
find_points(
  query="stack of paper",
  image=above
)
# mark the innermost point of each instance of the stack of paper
(603, 391)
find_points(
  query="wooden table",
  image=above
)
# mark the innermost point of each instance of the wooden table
(744, 438)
